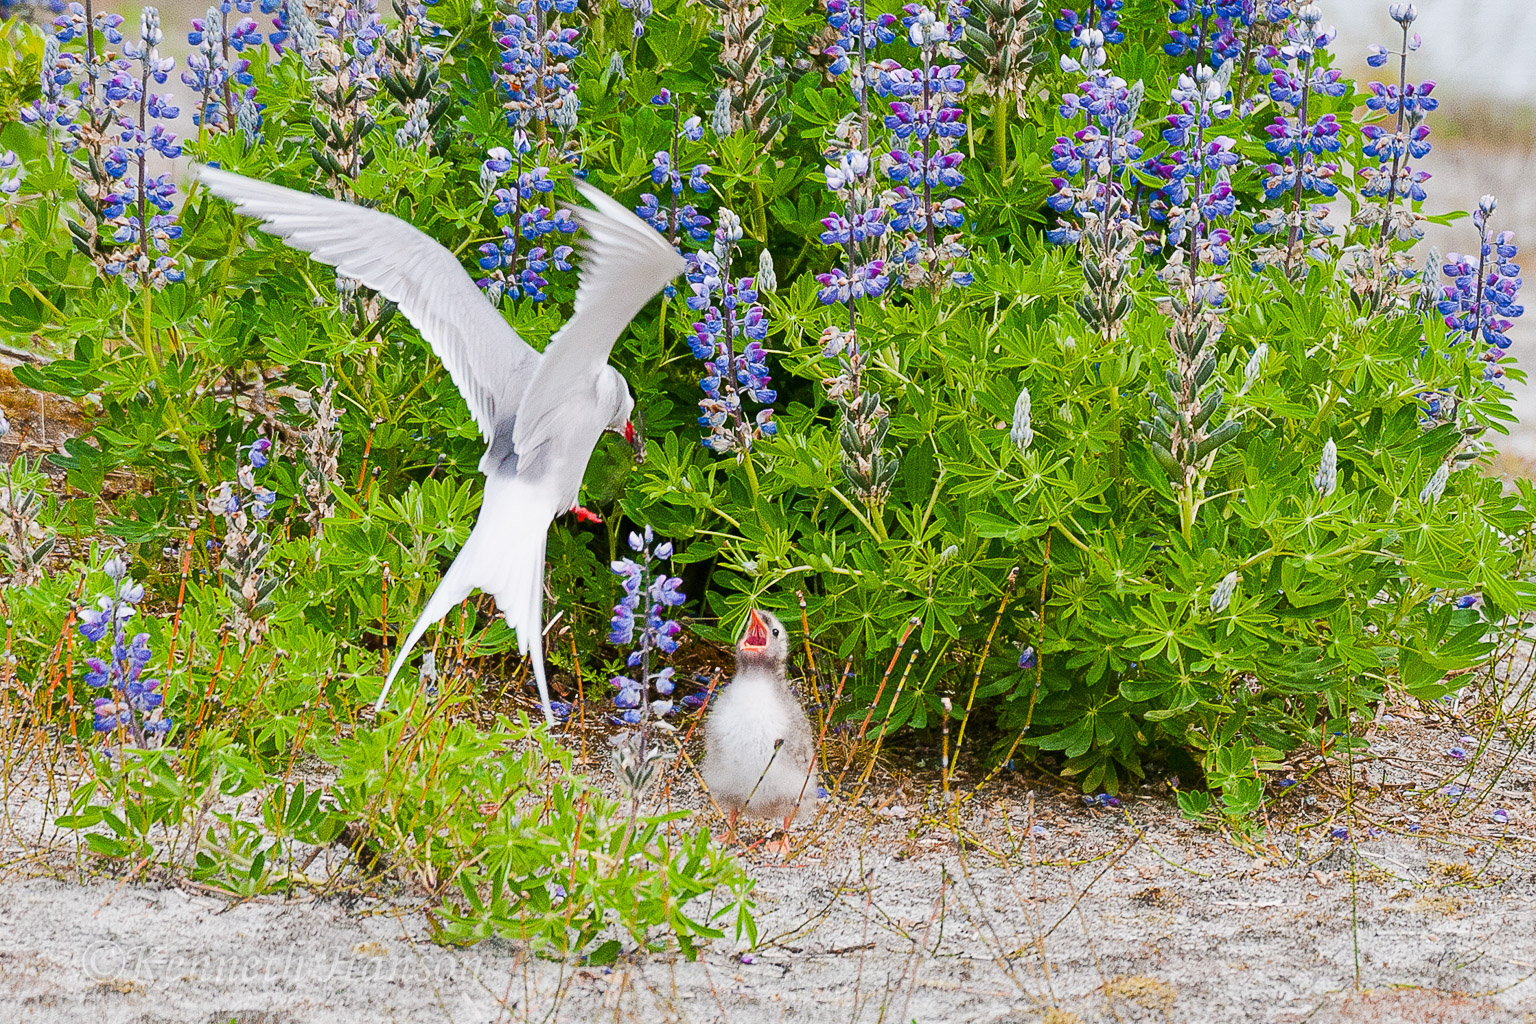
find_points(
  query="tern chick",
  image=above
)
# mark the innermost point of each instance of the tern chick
(760, 757)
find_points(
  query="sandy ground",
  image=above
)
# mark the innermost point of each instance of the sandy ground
(1112, 915)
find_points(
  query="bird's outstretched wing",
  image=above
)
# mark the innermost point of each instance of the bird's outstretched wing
(625, 263)
(489, 363)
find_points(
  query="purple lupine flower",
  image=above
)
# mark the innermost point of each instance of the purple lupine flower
(857, 34)
(926, 124)
(1092, 162)
(647, 593)
(56, 109)
(1394, 178)
(1301, 140)
(11, 173)
(641, 11)
(1028, 659)
(1198, 190)
(133, 705)
(537, 54)
(1209, 30)
(728, 337)
(672, 218)
(1100, 17)
(1482, 300)
(143, 238)
(518, 264)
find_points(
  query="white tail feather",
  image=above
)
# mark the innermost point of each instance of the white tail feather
(504, 557)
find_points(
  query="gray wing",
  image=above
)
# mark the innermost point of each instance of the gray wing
(625, 263)
(489, 363)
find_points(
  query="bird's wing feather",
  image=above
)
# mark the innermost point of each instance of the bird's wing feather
(489, 363)
(625, 263)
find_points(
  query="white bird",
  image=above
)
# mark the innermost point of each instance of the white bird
(759, 756)
(542, 414)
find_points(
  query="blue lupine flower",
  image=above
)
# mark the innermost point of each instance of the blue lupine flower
(641, 11)
(1092, 162)
(1028, 659)
(926, 123)
(647, 594)
(537, 54)
(519, 263)
(1394, 177)
(730, 316)
(1100, 17)
(11, 173)
(134, 704)
(1301, 142)
(1482, 301)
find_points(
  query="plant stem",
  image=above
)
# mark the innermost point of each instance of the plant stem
(1000, 139)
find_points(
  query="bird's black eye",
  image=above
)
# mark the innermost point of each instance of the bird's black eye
(775, 632)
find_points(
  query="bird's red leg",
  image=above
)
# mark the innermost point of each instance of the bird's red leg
(584, 515)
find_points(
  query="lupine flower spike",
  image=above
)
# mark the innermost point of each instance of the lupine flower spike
(927, 123)
(131, 708)
(24, 540)
(729, 338)
(1302, 142)
(531, 243)
(242, 505)
(1393, 179)
(1001, 43)
(643, 697)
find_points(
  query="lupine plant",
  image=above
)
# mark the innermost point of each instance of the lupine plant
(25, 539)
(926, 124)
(1001, 43)
(530, 245)
(1179, 587)
(1482, 300)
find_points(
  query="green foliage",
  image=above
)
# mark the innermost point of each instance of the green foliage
(1338, 598)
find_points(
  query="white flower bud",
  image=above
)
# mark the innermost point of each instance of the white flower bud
(1436, 486)
(767, 280)
(1327, 479)
(720, 117)
(1255, 364)
(1221, 597)
(1022, 434)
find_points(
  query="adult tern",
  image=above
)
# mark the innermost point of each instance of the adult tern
(540, 413)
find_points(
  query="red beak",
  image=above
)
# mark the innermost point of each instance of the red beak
(757, 633)
(634, 440)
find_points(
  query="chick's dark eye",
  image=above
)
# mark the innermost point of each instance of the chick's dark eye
(775, 632)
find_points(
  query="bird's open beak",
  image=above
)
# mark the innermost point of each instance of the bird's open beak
(757, 633)
(636, 442)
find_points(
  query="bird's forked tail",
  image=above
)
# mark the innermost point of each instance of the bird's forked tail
(504, 557)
